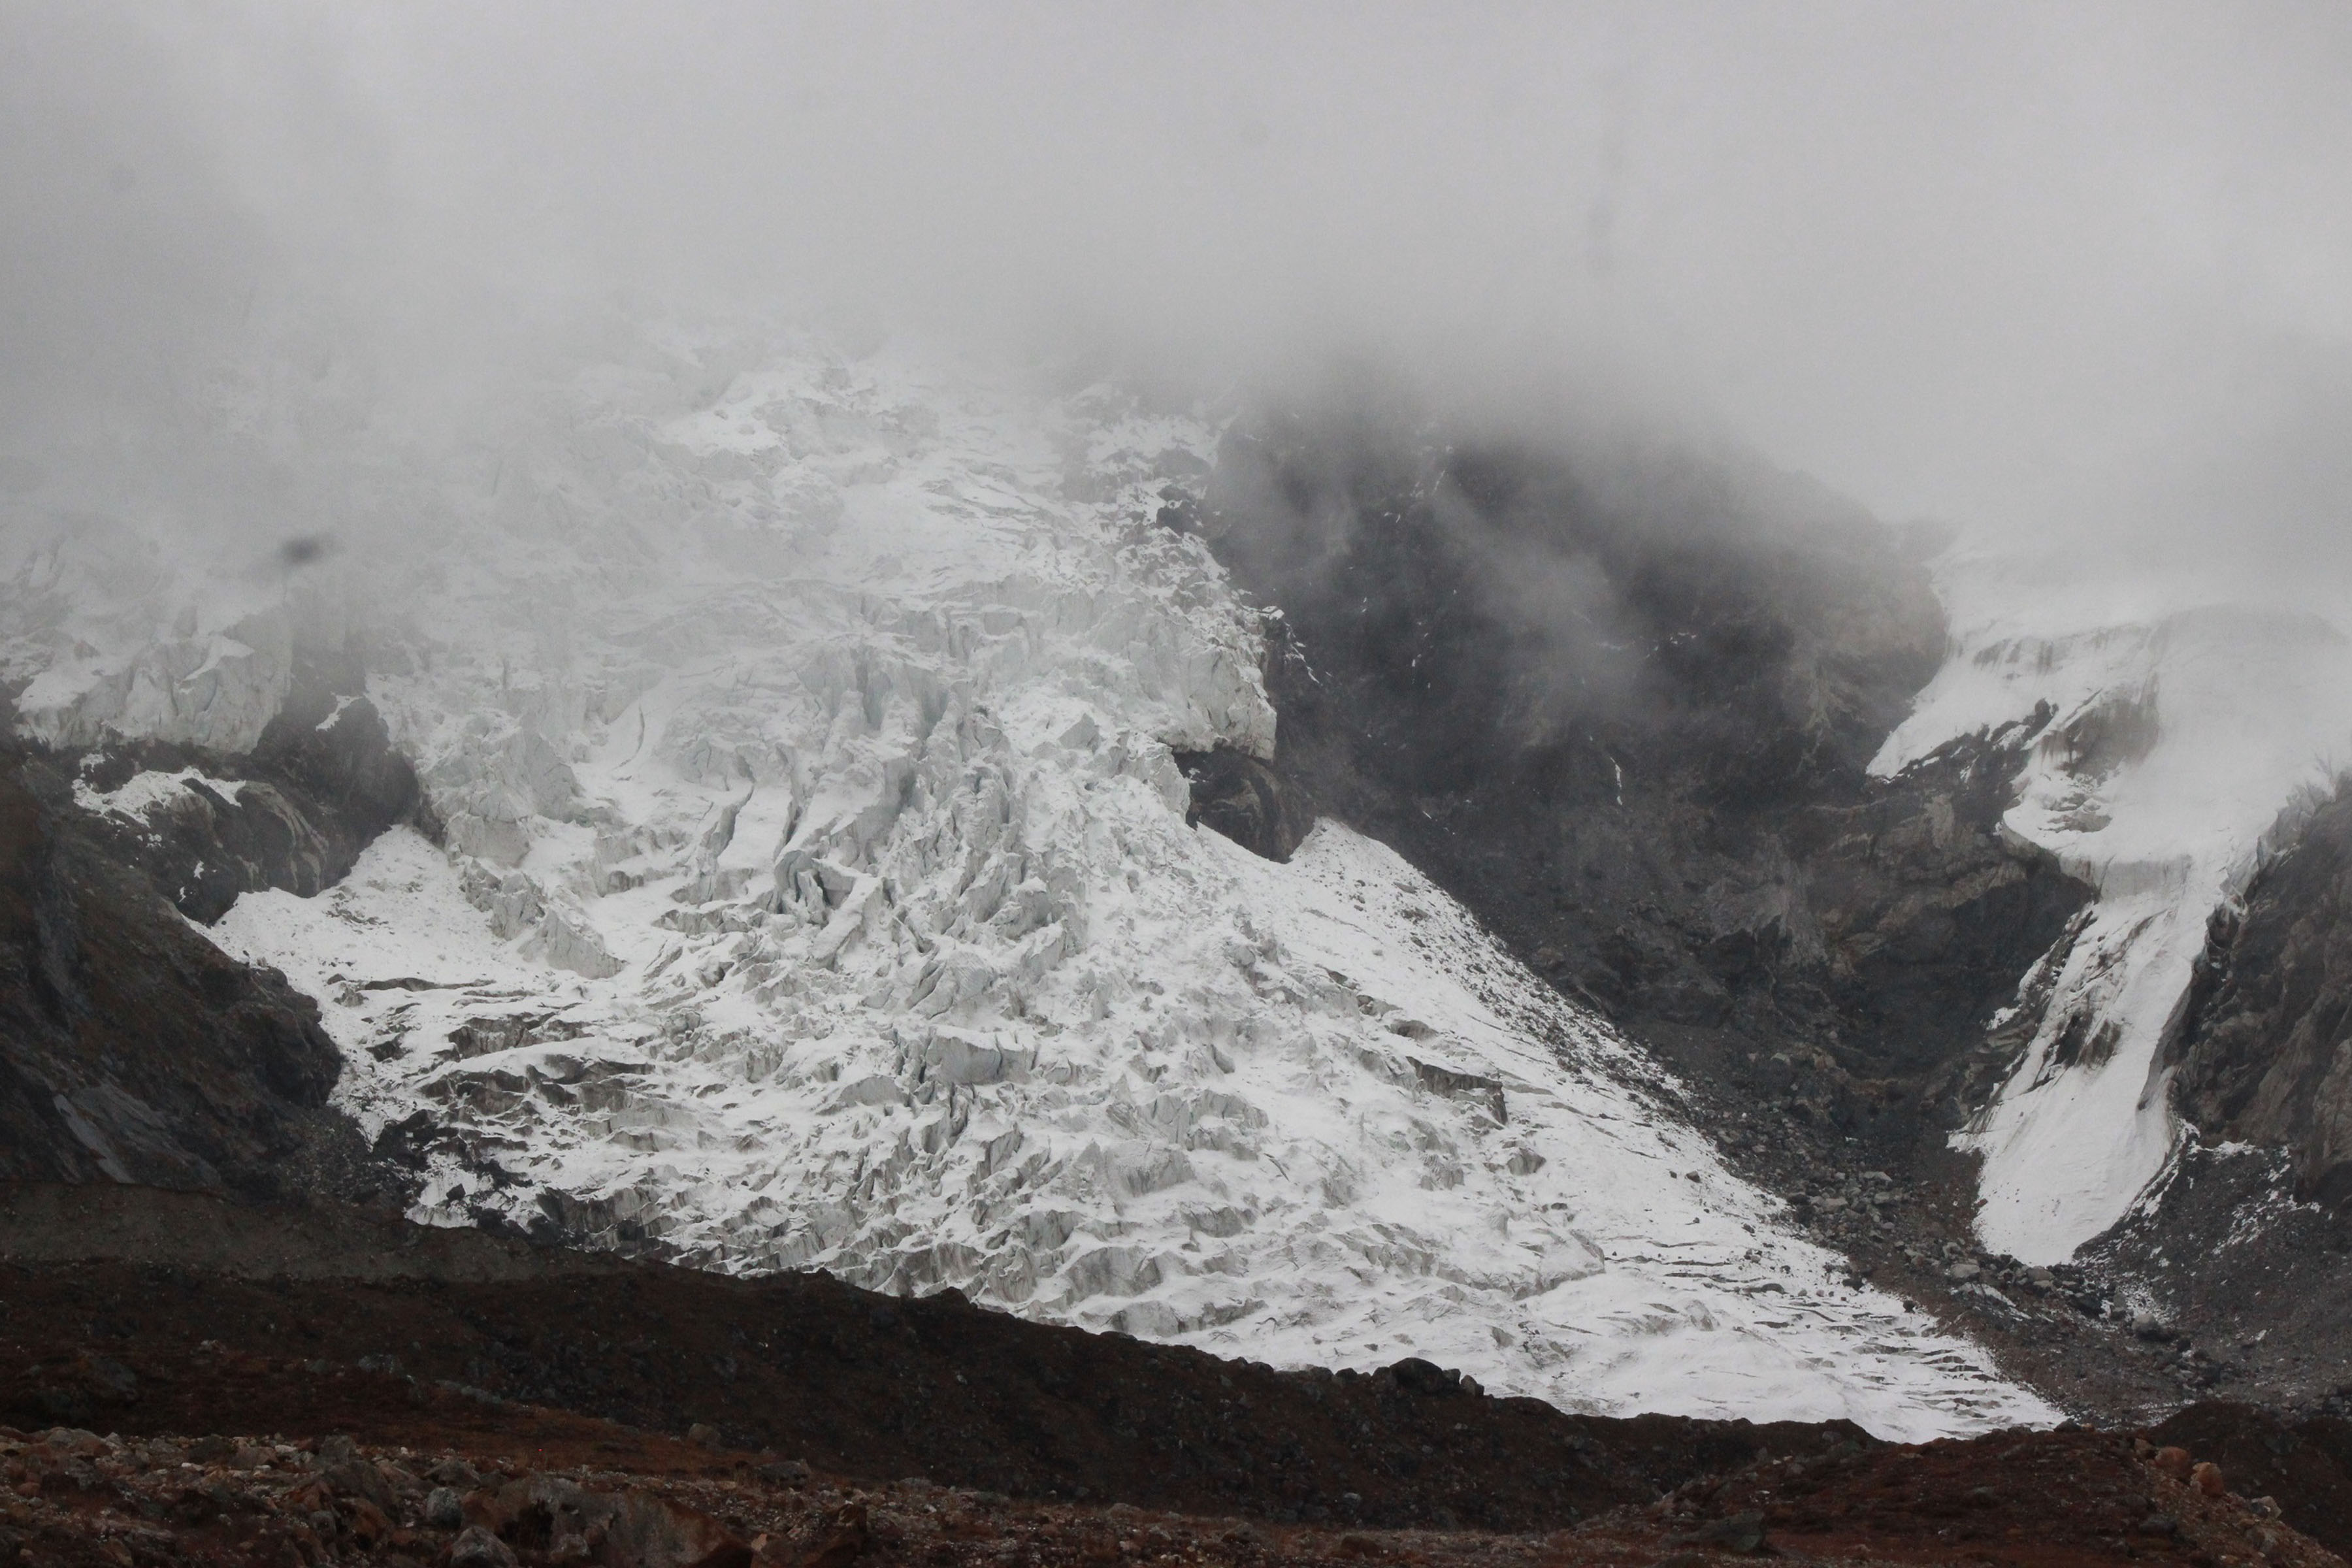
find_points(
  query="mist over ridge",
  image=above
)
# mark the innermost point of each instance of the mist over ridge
(2077, 275)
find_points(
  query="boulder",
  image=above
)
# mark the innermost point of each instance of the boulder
(478, 1548)
(1248, 800)
(443, 1508)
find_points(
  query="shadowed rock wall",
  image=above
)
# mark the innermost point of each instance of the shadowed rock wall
(132, 1049)
(2263, 1043)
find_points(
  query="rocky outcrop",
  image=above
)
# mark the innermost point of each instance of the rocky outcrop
(1621, 704)
(130, 1048)
(2263, 1045)
(205, 828)
(1248, 801)
(295, 813)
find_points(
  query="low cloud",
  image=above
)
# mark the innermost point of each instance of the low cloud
(2080, 273)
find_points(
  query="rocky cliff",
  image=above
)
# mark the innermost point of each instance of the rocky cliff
(132, 1047)
(2261, 1050)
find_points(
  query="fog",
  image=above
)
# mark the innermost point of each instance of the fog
(2080, 273)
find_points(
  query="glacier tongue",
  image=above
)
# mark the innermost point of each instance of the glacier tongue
(2173, 741)
(816, 893)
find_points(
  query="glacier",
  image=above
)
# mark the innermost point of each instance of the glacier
(813, 890)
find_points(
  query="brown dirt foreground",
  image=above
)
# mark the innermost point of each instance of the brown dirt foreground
(530, 1487)
(293, 1387)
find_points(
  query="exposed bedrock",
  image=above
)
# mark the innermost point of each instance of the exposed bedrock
(1249, 801)
(2262, 1045)
(1621, 703)
(2241, 1254)
(131, 1048)
(320, 785)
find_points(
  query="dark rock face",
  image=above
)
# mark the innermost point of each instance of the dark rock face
(2262, 1042)
(1622, 706)
(2247, 1285)
(318, 789)
(2243, 1265)
(1247, 800)
(131, 1048)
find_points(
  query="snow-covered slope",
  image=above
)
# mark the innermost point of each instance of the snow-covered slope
(2175, 738)
(816, 892)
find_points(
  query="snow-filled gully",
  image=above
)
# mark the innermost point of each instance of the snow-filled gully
(2174, 746)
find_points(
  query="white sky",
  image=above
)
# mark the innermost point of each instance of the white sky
(2038, 269)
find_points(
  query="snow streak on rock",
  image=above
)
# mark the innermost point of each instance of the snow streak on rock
(816, 893)
(2171, 749)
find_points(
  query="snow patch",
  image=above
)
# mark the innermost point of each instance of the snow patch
(140, 794)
